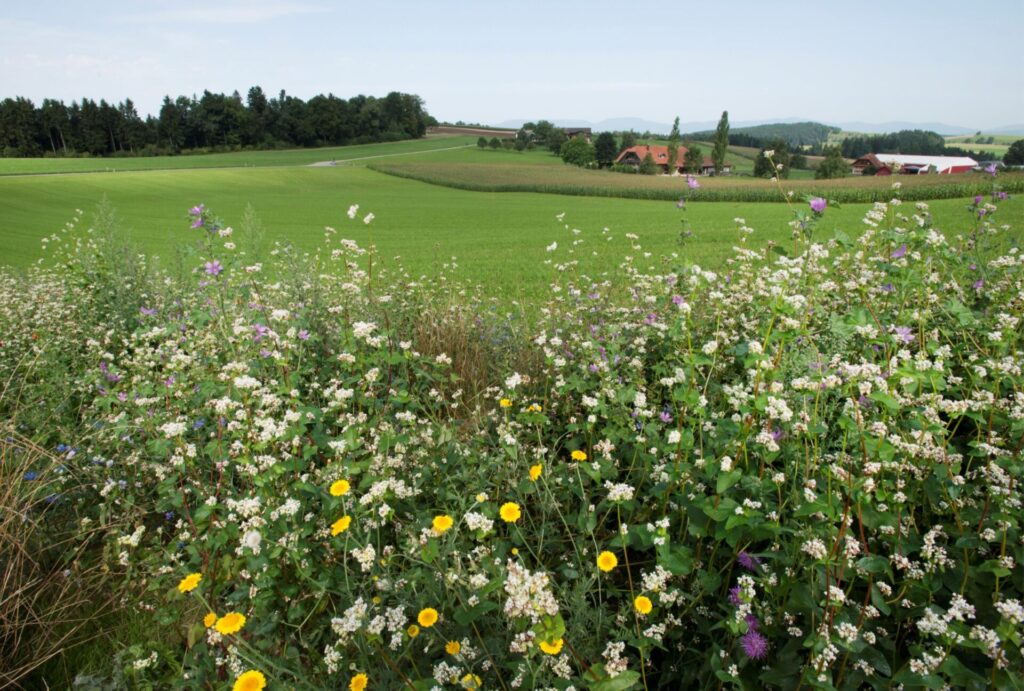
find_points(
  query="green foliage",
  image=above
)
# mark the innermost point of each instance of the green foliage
(694, 159)
(628, 140)
(721, 142)
(648, 166)
(834, 166)
(605, 149)
(494, 143)
(578, 152)
(555, 139)
(673, 145)
(795, 134)
(778, 164)
(1014, 156)
(819, 497)
(482, 142)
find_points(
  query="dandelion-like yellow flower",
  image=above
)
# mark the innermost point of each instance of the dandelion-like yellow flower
(643, 604)
(230, 623)
(253, 680)
(341, 525)
(427, 617)
(505, 403)
(534, 408)
(535, 471)
(606, 561)
(442, 523)
(340, 488)
(510, 512)
(552, 648)
(413, 631)
(471, 681)
(209, 620)
(481, 498)
(578, 455)
(359, 682)
(189, 582)
(452, 647)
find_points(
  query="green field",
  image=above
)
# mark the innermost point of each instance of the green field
(1001, 142)
(498, 238)
(240, 159)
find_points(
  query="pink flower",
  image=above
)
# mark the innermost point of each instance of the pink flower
(818, 205)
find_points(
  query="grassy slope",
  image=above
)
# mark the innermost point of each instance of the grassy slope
(285, 157)
(499, 239)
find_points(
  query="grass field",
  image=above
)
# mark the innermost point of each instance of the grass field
(997, 148)
(499, 239)
(240, 159)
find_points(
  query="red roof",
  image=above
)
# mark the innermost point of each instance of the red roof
(658, 153)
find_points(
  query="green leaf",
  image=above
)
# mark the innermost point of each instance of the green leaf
(727, 480)
(622, 682)
(874, 564)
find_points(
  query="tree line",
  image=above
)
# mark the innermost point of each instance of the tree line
(214, 121)
(920, 142)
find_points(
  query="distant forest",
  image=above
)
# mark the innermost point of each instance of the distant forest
(795, 134)
(213, 122)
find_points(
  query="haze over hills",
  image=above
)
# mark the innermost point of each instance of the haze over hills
(642, 125)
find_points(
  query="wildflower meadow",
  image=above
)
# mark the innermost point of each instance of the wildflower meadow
(303, 470)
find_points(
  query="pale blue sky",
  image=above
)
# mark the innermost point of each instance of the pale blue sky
(956, 62)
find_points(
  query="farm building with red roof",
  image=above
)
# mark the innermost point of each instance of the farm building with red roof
(911, 164)
(634, 156)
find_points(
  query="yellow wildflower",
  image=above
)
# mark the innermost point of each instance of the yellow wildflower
(442, 523)
(359, 682)
(340, 488)
(552, 648)
(535, 471)
(452, 647)
(253, 680)
(209, 620)
(505, 403)
(341, 525)
(643, 604)
(413, 631)
(427, 617)
(189, 582)
(606, 561)
(471, 681)
(578, 455)
(232, 622)
(535, 408)
(510, 512)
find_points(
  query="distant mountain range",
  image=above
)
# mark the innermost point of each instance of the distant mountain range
(641, 125)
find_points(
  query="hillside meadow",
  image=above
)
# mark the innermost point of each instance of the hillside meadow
(499, 239)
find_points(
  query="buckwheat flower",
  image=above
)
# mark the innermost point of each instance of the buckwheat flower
(230, 623)
(368, 218)
(535, 471)
(253, 680)
(427, 617)
(899, 252)
(339, 488)
(818, 205)
(359, 682)
(552, 247)
(606, 561)
(510, 512)
(341, 525)
(578, 455)
(189, 582)
(353, 210)
(442, 523)
(213, 268)
(642, 604)
(452, 647)
(681, 204)
(755, 646)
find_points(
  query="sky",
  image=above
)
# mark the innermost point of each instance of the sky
(487, 62)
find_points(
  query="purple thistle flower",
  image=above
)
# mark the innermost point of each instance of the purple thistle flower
(148, 311)
(677, 300)
(213, 268)
(888, 288)
(900, 252)
(991, 169)
(692, 183)
(122, 396)
(818, 205)
(1002, 196)
(303, 335)
(748, 561)
(904, 333)
(259, 332)
(978, 284)
(752, 623)
(981, 213)
(198, 222)
(197, 210)
(665, 416)
(169, 382)
(755, 646)
(978, 199)
(736, 595)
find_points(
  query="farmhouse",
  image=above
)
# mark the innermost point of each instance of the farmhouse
(573, 132)
(911, 164)
(634, 156)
